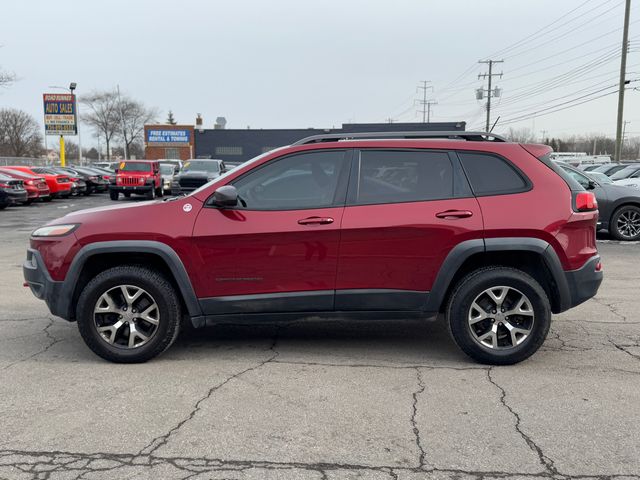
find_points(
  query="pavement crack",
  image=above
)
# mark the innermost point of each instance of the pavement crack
(612, 308)
(546, 462)
(414, 424)
(161, 440)
(52, 341)
(623, 348)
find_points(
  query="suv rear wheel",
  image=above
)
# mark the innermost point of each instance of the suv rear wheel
(128, 314)
(499, 315)
(113, 195)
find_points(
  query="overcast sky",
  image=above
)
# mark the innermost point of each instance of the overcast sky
(289, 63)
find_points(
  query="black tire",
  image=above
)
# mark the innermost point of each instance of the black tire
(459, 309)
(47, 199)
(625, 223)
(127, 195)
(28, 202)
(160, 290)
(3, 206)
(151, 194)
(114, 195)
(159, 192)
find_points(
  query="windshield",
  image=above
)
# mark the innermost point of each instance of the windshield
(229, 172)
(134, 167)
(599, 177)
(166, 169)
(194, 165)
(625, 172)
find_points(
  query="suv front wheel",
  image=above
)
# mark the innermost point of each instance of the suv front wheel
(499, 315)
(128, 314)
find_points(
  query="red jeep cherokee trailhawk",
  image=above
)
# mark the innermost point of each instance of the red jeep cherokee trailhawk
(141, 177)
(490, 233)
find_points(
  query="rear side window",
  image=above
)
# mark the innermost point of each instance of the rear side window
(491, 175)
(391, 176)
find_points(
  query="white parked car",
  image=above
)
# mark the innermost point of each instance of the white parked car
(628, 182)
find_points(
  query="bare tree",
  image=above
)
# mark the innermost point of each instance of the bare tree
(19, 134)
(133, 116)
(6, 78)
(521, 135)
(101, 113)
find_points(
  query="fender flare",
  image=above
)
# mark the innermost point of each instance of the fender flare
(464, 250)
(162, 250)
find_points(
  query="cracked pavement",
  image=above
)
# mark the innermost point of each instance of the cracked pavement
(318, 399)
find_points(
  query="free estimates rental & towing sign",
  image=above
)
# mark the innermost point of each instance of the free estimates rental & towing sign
(60, 114)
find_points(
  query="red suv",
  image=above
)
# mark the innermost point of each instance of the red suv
(489, 233)
(139, 177)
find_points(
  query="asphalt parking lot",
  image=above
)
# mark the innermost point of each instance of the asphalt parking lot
(317, 399)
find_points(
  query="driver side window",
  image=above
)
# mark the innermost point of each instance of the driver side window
(297, 182)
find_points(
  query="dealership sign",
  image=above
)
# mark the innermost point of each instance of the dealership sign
(60, 114)
(164, 137)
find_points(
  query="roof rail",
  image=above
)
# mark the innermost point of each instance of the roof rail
(462, 135)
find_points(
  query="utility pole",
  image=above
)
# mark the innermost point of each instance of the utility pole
(426, 104)
(624, 134)
(623, 68)
(544, 135)
(490, 93)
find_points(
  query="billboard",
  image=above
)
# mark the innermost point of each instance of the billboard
(158, 136)
(60, 114)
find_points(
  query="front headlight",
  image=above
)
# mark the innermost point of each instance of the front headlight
(55, 230)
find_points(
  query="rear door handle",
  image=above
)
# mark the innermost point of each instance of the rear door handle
(316, 221)
(454, 214)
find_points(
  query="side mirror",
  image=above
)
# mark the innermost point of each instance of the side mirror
(225, 196)
(591, 185)
(176, 170)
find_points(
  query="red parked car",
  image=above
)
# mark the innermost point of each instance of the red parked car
(490, 233)
(59, 185)
(35, 186)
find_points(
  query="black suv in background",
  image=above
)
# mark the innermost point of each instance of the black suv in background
(196, 173)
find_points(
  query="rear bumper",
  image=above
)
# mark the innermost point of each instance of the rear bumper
(42, 286)
(584, 282)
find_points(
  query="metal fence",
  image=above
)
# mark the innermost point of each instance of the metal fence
(24, 161)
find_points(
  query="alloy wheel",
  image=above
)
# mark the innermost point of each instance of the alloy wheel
(126, 316)
(628, 224)
(501, 318)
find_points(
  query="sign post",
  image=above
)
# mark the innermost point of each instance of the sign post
(60, 117)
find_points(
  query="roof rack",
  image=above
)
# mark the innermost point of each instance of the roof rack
(462, 135)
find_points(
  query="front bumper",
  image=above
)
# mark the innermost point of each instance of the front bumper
(43, 286)
(130, 188)
(16, 197)
(584, 282)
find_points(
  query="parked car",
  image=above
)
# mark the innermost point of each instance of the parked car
(630, 171)
(167, 171)
(78, 183)
(105, 174)
(110, 166)
(173, 161)
(619, 206)
(383, 225)
(12, 191)
(196, 173)
(59, 185)
(94, 181)
(588, 168)
(36, 187)
(140, 177)
(610, 168)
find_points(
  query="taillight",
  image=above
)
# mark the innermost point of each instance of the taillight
(584, 202)
(5, 185)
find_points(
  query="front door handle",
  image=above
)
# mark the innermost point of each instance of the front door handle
(451, 214)
(316, 221)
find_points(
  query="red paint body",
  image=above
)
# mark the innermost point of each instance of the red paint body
(59, 185)
(391, 246)
(35, 186)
